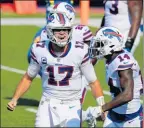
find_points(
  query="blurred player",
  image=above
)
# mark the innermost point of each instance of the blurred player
(123, 77)
(50, 5)
(62, 63)
(126, 16)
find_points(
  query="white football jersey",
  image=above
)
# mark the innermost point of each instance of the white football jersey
(62, 76)
(117, 15)
(81, 33)
(123, 61)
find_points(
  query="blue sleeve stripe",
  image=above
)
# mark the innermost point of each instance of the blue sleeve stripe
(85, 60)
(125, 66)
(86, 56)
(32, 54)
(34, 59)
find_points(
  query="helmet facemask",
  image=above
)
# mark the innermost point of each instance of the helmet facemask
(100, 48)
(96, 49)
(59, 36)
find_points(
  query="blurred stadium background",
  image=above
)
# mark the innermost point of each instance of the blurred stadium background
(19, 23)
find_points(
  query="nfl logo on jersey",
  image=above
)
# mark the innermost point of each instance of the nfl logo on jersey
(44, 60)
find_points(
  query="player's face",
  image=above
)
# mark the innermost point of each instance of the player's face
(61, 35)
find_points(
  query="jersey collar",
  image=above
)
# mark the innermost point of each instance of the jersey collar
(64, 53)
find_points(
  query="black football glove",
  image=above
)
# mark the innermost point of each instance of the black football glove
(129, 44)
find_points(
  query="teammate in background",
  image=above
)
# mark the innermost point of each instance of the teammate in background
(126, 16)
(50, 4)
(62, 62)
(123, 77)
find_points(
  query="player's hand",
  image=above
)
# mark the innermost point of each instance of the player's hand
(104, 115)
(11, 105)
(91, 121)
(93, 111)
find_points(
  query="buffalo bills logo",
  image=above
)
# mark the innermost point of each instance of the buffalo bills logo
(50, 18)
(111, 33)
(61, 18)
(69, 8)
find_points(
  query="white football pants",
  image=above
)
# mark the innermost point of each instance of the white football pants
(58, 113)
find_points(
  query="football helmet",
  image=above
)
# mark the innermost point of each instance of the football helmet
(58, 22)
(65, 8)
(106, 41)
(48, 10)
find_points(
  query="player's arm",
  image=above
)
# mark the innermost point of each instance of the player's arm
(127, 85)
(135, 8)
(89, 72)
(23, 85)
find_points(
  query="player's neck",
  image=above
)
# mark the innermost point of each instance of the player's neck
(56, 48)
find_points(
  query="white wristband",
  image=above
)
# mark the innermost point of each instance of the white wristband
(14, 100)
(100, 100)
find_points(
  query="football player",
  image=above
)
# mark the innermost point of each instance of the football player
(126, 16)
(80, 34)
(123, 77)
(62, 62)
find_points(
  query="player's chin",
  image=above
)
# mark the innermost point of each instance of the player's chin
(62, 40)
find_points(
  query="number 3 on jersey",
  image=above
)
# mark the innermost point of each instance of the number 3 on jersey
(61, 70)
(114, 9)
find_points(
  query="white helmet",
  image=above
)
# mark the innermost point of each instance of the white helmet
(58, 21)
(66, 8)
(81, 33)
(106, 41)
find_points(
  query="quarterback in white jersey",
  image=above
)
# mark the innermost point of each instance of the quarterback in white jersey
(126, 16)
(80, 34)
(123, 77)
(62, 62)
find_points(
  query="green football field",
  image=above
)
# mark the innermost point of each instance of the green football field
(15, 41)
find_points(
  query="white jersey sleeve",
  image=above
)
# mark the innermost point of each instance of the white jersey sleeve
(125, 62)
(81, 33)
(34, 66)
(87, 67)
(122, 62)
